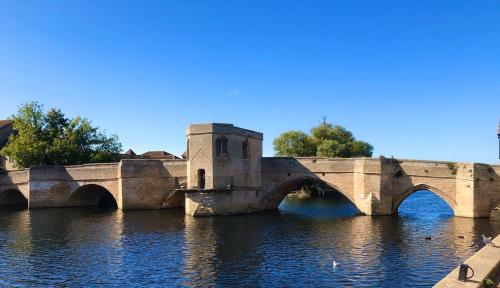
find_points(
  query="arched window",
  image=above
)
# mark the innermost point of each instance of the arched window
(244, 148)
(221, 146)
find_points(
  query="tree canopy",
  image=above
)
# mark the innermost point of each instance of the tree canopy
(294, 144)
(52, 139)
(325, 140)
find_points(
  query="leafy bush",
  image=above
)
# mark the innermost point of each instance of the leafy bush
(325, 140)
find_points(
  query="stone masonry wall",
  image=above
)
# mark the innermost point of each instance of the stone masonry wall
(52, 186)
(147, 184)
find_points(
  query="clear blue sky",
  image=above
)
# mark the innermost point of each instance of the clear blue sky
(417, 79)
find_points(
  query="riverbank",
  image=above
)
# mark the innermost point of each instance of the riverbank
(486, 265)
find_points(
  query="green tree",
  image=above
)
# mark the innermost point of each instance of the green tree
(326, 140)
(361, 149)
(52, 139)
(294, 144)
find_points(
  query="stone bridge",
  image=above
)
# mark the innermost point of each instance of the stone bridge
(225, 173)
(129, 184)
(376, 186)
(379, 186)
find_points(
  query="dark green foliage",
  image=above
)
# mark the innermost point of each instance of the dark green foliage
(52, 139)
(326, 140)
(453, 168)
(294, 144)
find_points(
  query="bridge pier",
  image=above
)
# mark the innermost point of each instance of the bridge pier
(212, 202)
(371, 178)
(473, 188)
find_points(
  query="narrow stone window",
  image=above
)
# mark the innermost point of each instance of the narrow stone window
(244, 148)
(176, 182)
(201, 178)
(221, 146)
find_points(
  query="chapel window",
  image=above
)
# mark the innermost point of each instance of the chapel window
(221, 146)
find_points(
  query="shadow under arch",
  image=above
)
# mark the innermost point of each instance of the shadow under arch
(13, 197)
(399, 199)
(93, 195)
(494, 205)
(176, 198)
(280, 192)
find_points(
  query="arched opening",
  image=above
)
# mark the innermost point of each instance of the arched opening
(312, 197)
(244, 149)
(221, 146)
(424, 200)
(93, 195)
(13, 197)
(201, 178)
(174, 199)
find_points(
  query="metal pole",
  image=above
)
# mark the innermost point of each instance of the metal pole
(498, 134)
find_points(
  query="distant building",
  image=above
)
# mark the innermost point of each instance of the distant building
(158, 155)
(130, 154)
(6, 129)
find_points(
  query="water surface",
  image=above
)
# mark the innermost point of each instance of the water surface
(292, 247)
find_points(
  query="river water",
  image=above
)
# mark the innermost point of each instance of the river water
(292, 247)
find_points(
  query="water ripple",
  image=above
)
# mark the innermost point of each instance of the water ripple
(294, 247)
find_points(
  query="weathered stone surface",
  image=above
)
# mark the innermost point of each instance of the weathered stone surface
(379, 186)
(148, 184)
(221, 202)
(229, 168)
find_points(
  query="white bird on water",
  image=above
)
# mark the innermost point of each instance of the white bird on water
(487, 240)
(335, 264)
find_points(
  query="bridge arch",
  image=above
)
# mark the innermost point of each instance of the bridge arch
(279, 193)
(398, 199)
(12, 197)
(93, 195)
(175, 198)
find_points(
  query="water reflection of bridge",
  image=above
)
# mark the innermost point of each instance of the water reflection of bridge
(210, 250)
(358, 242)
